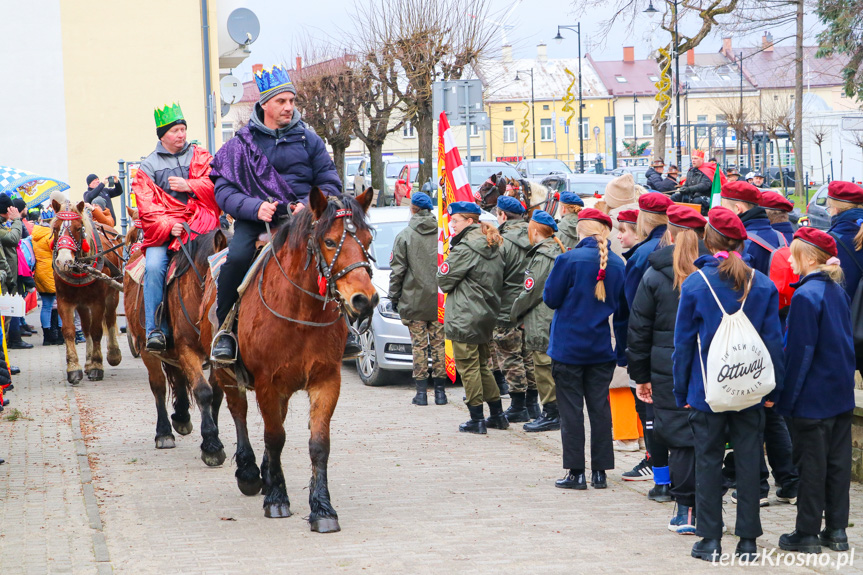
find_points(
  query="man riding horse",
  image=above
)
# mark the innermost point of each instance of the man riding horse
(264, 171)
(176, 203)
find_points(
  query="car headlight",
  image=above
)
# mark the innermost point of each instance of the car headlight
(385, 308)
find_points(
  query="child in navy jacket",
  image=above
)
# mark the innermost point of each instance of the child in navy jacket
(733, 281)
(584, 289)
(818, 394)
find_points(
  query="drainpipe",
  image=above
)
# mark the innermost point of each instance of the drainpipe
(208, 81)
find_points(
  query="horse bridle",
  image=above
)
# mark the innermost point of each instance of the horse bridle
(64, 240)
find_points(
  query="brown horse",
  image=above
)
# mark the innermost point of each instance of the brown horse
(182, 363)
(81, 262)
(292, 332)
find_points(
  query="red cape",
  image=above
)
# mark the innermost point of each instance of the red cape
(160, 211)
(709, 169)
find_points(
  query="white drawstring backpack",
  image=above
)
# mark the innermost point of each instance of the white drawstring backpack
(739, 370)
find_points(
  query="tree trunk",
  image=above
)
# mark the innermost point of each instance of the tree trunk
(425, 136)
(823, 175)
(339, 160)
(659, 135)
(798, 105)
(377, 166)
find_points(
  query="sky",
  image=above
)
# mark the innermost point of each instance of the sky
(284, 25)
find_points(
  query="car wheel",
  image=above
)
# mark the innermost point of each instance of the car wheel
(368, 368)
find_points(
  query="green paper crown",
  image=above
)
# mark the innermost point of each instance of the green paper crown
(168, 115)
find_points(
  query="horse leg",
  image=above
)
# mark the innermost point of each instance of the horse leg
(212, 450)
(95, 369)
(110, 326)
(248, 475)
(86, 316)
(164, 437)
(323, 396)
(66, 310)
(273, 409)
(181, 420)
(218, 395)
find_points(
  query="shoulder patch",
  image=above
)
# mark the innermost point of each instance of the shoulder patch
(528, 283)
(391, 257)
(444, 268)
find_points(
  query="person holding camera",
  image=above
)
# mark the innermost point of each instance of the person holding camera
(96, 189)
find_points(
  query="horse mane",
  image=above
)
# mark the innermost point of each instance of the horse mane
(298, 228)
(199, 249)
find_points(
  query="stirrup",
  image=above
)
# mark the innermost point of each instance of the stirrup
(219, 334)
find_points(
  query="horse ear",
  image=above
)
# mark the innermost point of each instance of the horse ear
(317, 201)
(365, 199)
(80, 207)
(55, 205)
(131, 211)
(493, 178)
(220, 242)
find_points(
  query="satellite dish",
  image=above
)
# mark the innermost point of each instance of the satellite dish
(243, 26)
(231, 89)
(226, 109)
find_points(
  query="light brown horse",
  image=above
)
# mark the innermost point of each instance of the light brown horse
(183, 361)
(81, 261)
(292, 333)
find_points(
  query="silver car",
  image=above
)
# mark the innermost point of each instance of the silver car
(386, 345)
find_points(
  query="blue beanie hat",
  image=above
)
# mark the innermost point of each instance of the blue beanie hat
(421, 200)
(463, 208)
(543, 218)
(510, 204)
(571, 199)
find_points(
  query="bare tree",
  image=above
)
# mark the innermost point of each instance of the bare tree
(857, 140)
(430, 41)
(819, 134)
(740, 117)
(779, 118)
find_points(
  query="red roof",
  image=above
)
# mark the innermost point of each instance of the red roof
(775, 68)
(627, 78)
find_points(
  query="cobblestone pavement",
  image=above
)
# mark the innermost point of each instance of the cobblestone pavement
(413, 494)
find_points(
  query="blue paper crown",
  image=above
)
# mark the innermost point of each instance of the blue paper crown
(268, 81)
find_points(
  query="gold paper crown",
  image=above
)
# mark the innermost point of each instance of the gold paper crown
(168, 115)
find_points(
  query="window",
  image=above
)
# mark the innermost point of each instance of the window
(646, 124)
(545, 130)
(775, 98)
(701, 132)
(585, 129)
(720, 118)
(545, 106)
(509, 131)
(408, 131)
(508, 108)
(227, 131)
(620, 79)
(474, 131)
(628, 127)
(653, 78)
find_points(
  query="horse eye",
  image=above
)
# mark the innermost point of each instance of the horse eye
(330, 243)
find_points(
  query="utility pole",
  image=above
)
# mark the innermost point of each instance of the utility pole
(798, 105)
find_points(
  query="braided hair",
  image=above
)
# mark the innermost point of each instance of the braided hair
(600, 232)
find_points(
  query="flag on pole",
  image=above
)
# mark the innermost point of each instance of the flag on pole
(453, 186)
(716, 189)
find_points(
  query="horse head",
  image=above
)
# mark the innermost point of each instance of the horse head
(135, 233)
(491, 189)
(69, 233)
(341, 239)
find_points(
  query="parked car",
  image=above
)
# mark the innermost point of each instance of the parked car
(585, 185)
(393, 169)
(817, 209)
(638, 173)
(537, 169)
(355, 172)
(386, 345)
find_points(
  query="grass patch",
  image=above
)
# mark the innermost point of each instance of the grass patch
(16, 414)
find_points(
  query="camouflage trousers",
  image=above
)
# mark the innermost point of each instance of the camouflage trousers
(513, 359)
(427, 341)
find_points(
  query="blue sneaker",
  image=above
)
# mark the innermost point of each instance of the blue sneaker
(683, 522)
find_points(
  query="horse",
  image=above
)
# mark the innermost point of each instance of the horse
(83, 251)
(182, 363)
(317, 272)
(523, 190)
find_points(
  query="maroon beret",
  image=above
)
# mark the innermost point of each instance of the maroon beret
(774, 201)
(821, 240)
(596, 215)
(685, 217)
(726, 223)
(654, 203)
(741, 191)
(845, 192)
(629, 216)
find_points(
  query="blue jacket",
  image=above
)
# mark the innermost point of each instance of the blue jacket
(638, 264)
(297, 154)
(845, 227)
(755, 221)
(698, 314)
(819, 351)
(580, 332)
(786, 229)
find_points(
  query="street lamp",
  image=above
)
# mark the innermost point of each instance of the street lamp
(532, 107)
(650, 11)
(559, 39)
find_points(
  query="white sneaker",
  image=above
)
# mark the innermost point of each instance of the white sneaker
(626, 445)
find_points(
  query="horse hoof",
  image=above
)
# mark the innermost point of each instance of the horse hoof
(182, 427)
(165, 442)
(96, 374)
(325, 525)
(114, 360)
(277, 510)
(250, 488)
(74, 377)
(213, 459)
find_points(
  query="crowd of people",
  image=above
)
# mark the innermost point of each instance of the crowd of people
(724, 343)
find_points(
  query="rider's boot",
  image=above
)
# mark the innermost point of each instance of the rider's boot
(352, 346)
(224, 348)
(156, 341)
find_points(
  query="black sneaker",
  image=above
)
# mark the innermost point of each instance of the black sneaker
(787, 494)
(660, 493)
(763, 501)
(156, 342)
(641, 472)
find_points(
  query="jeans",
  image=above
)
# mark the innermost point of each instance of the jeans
(48, 300)
(155, 269)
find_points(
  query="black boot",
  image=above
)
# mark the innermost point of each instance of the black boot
(47, 336)
(440, 391)
(502, 385)
(548, 421)
(660, 493)
(800, 542)
(352, 347)
(747, 550)
(57, 336)
(496, 418)
(156, 342)
(835, 539)
(598, 479)
(532, 403)
(476, 424)
(517, 412)
(707, 549)
(574, 479)
(224, 348)
(422, 389)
